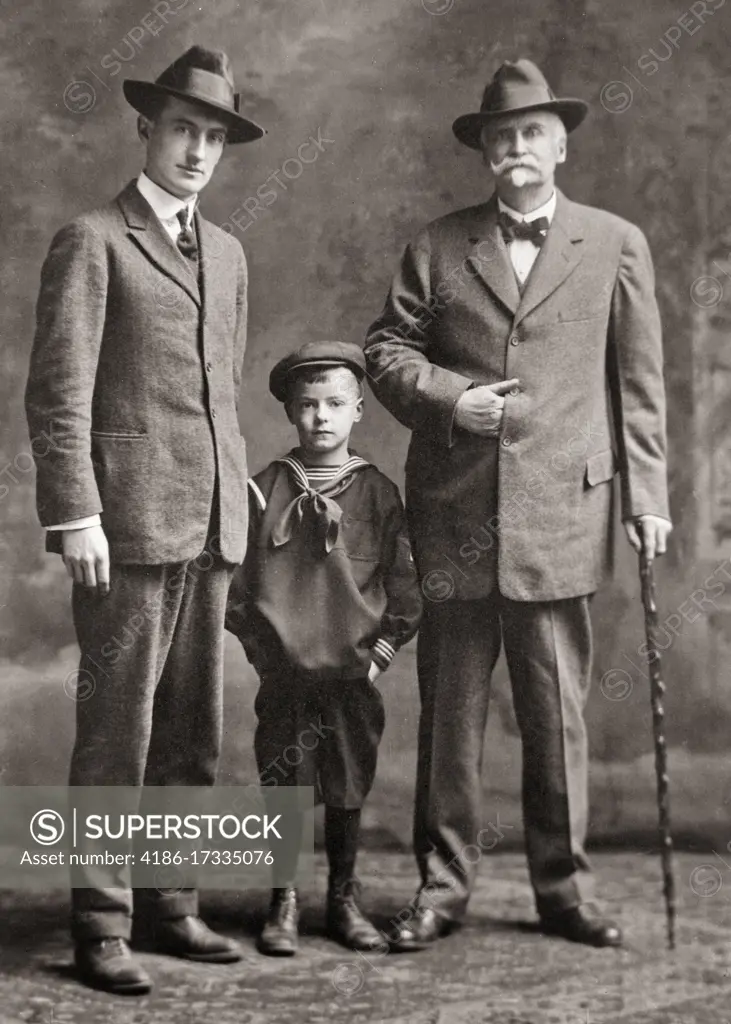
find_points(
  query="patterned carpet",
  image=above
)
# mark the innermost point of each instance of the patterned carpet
(496, 968)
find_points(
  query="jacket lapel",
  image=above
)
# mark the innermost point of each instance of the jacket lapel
(209, 252)
(559, 255)
(149, 234)
(490, 258)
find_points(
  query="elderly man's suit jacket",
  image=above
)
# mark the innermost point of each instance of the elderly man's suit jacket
(530, 511)
(135, 377)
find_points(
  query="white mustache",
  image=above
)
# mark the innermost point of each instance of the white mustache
(509, 164)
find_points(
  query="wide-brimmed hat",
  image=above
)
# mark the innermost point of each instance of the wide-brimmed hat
(517, 86)
(316, 353)
(201, 76)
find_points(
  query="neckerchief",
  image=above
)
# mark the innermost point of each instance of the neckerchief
(315, 504)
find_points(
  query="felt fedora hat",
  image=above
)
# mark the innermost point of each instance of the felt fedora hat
(316, 353)
(516, 87)
(201, 76)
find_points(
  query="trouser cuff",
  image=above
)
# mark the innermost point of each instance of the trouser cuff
(90, 925)
(564, 895)
(171, 905)
(153, 905)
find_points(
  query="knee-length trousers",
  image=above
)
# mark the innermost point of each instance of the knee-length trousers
(319, 732)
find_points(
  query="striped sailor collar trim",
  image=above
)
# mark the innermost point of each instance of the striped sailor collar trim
(299, 470)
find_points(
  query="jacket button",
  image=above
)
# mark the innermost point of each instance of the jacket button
(514, 392)
(213, 413)
(514, 339)
(506, 442)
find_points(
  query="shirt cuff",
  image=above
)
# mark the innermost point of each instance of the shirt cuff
(78, 524)
(383, 654)
(452, 425)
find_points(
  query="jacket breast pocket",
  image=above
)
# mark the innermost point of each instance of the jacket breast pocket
(118, 435)
(588, 303)
(360, 537)
(600, 467)
(580, 316)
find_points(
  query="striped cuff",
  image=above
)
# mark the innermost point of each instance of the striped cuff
(383, 654)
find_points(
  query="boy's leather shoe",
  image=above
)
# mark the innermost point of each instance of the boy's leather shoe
(189, 938)
(419, 931)
(108, 965)
(582, 924)
(279, 935)
(346, 922)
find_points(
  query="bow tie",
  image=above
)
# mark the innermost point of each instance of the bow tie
(530, 231)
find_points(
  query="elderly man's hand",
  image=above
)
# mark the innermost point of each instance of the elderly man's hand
(480, 410)
(655, 531)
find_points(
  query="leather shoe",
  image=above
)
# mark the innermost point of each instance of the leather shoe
(346, 922)
(189, 938)
(279, 935)
(108, 965)
(582, 924)
(422, 928)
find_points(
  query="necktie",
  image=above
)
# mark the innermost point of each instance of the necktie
(186, 240)
(531, 231)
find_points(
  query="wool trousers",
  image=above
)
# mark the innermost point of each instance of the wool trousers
(548, 646)
(151, 679)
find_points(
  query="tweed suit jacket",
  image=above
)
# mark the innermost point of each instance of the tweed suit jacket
(134, 376)
(529, 512)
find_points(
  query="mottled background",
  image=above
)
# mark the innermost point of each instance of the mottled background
(379, 82)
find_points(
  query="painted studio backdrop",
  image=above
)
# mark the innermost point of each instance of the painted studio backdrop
(358, 99)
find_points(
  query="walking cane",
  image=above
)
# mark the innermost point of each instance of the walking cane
(657, 692)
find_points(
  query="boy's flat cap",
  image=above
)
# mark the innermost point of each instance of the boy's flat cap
(316, 353)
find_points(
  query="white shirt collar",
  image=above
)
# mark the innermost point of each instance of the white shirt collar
(165, 205)
(547, 210)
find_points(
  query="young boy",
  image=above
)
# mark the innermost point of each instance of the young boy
(327, 595)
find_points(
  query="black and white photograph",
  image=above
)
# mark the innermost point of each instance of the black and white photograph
(365, 482)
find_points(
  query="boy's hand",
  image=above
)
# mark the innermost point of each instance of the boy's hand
(373, 672)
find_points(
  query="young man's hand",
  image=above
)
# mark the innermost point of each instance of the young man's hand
(373, 672)
(86, 557)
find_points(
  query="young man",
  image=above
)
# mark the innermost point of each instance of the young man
(135, 373)
(326, 597)
(521, 344)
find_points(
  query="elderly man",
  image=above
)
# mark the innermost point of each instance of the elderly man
(135, 370)
(520, 343)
